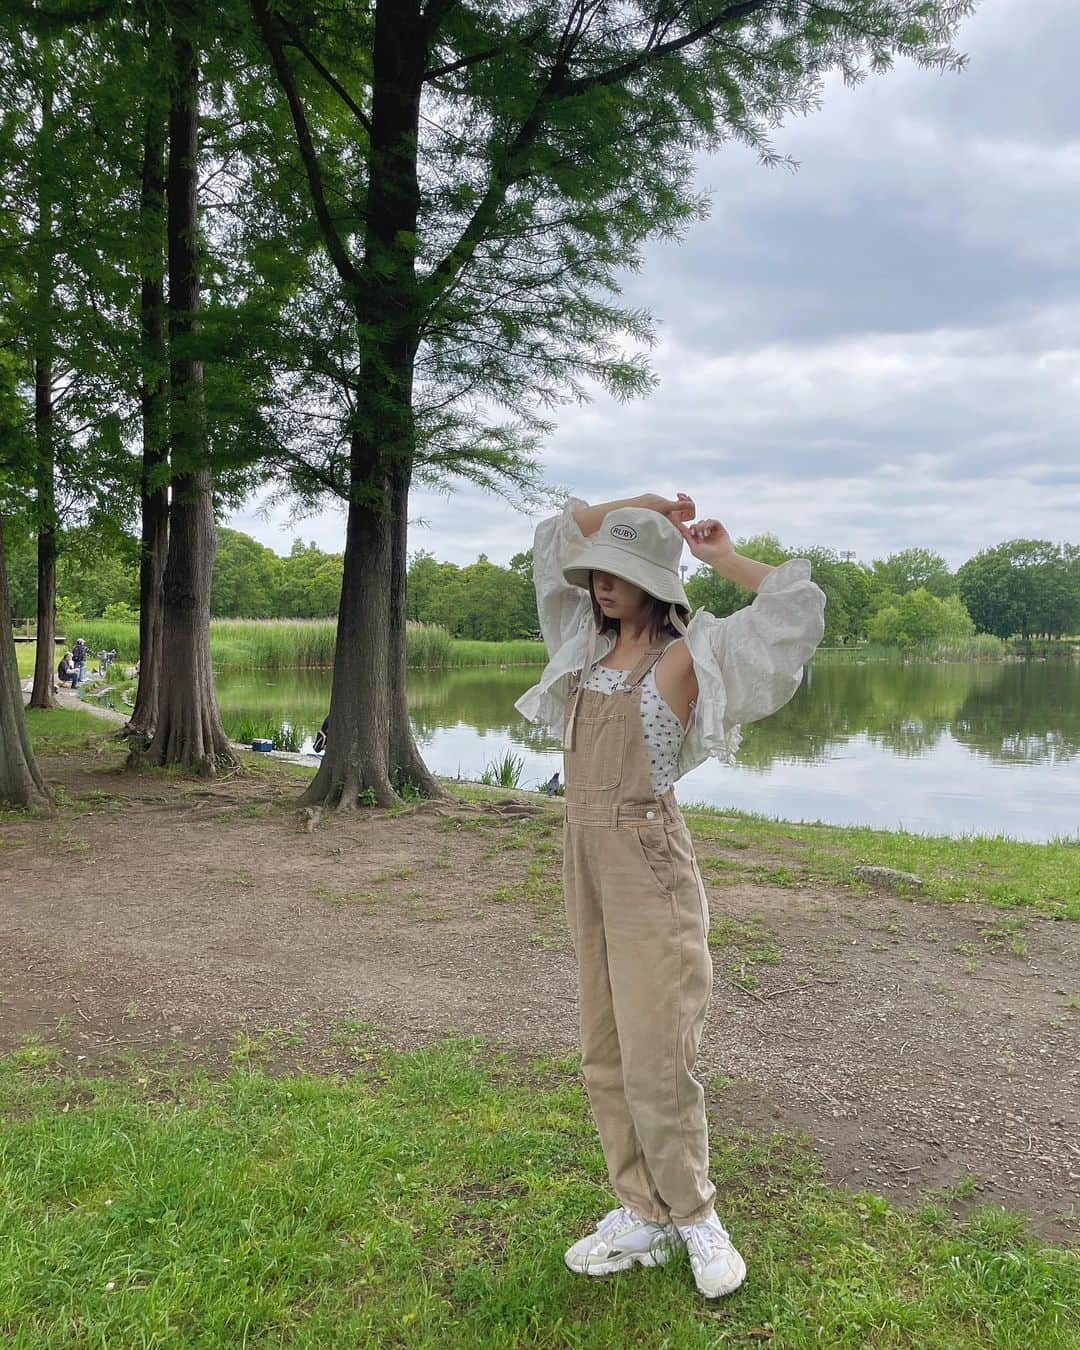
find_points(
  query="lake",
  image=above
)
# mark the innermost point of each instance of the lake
(981, 748)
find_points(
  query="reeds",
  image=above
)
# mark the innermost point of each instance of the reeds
(308, 644)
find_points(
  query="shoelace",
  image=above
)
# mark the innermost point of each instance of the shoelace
(614, 1222)
(707, 1240)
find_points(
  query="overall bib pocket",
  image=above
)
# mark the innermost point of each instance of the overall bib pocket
(595, 763)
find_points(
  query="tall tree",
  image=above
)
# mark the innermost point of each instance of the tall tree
(21, 783)
(915, 568)
(153, 478)
(189, 731)
(41, 695)
(509, 158)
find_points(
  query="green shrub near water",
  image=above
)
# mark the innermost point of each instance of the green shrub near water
(505, 772)
(244, 729)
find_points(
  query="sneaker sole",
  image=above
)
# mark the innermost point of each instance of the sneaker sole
(617, 1263)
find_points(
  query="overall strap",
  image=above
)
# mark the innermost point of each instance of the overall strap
(568, 733)
(648, 660)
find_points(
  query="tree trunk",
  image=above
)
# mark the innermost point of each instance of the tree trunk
(21, 783)
(355, 764)
(367, 704)
(153, 489)
(189, 731)
(406, 764)
(41, 695)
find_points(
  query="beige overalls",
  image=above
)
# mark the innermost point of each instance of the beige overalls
(639, 919)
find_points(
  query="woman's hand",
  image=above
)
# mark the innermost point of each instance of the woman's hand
(677, 511)
(709, 541)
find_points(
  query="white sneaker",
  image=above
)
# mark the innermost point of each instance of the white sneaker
(623, 1240)
(718, 1268)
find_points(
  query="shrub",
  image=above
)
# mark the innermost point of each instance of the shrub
(918, 619)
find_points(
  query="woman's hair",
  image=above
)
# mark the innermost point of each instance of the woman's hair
(654, 613)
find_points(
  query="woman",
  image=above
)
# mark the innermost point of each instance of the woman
(641, 695)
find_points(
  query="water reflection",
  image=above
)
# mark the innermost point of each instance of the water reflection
(943, 748)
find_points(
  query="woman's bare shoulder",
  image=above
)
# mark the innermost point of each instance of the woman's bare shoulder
(675, 678)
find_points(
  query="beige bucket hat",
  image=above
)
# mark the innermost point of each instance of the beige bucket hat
(639, 545)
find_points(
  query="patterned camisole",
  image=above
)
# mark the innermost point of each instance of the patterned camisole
(662, 730)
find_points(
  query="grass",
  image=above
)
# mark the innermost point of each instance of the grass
(62, 728)
(24, 658)
(992, 869)
(244, 730)
(152, 1210)
(289, 644)
(979, 647)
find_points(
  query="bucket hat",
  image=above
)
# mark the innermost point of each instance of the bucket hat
(638, 545)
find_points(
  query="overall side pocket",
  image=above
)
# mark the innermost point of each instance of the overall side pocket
(656, 854)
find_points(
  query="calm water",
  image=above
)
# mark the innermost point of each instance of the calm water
(944, 749)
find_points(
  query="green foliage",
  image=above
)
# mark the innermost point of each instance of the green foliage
(1025, 586)
(251, 581)
(918, 619)
(707, 589)
(481, 601)
(915, 569)
(851, 592)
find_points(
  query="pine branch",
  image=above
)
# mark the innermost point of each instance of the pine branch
(731, 13)
(557, 88)
(338, 254)
(331, 80)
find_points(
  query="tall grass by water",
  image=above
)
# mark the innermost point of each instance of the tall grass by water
(980, 647)
(290, 644)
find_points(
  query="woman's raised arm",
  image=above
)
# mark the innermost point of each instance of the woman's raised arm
(676, 509)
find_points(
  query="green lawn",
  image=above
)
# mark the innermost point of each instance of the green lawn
(24, 657)
(425, 1200)
(992, 869)
(62, 728)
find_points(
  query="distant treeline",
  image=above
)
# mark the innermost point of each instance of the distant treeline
(1021, 588)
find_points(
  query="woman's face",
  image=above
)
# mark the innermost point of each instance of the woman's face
(617, 599)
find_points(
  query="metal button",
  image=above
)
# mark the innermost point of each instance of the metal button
(650, 815)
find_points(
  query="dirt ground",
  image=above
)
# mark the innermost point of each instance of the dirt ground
(920, 1047)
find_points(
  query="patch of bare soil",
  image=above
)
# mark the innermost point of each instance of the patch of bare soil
(916, 1044)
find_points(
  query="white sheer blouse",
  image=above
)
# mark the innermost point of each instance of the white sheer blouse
(747, 664)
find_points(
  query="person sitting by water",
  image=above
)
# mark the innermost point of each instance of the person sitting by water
(67, 672)
(318, 745)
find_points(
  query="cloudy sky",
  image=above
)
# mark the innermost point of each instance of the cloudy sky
(879, 351)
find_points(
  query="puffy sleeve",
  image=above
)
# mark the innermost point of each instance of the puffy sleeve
(750, 663)
(563, 608)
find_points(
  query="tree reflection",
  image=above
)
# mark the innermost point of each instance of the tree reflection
(1022, 712)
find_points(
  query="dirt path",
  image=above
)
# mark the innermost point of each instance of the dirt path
(915, 1044)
